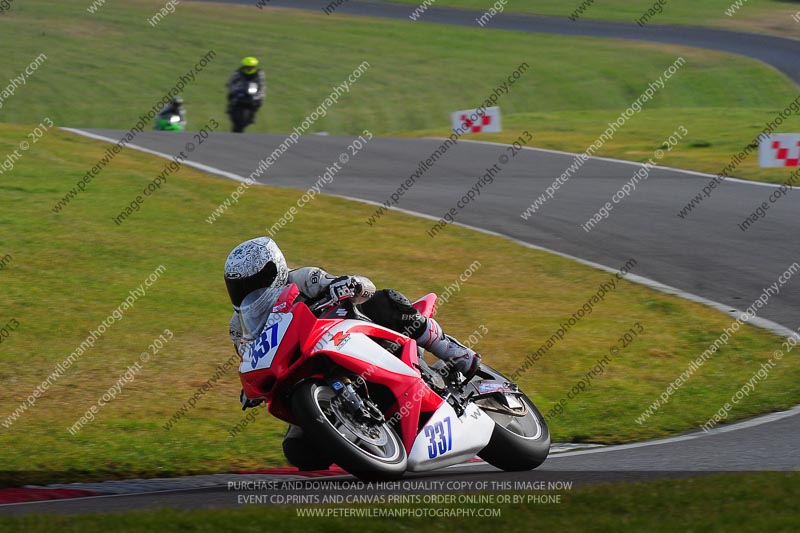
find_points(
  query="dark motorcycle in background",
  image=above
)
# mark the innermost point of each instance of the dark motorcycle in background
(243, 107)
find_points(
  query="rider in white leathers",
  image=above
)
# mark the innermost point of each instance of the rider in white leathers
(259, 263)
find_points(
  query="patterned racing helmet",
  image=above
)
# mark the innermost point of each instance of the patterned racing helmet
(254, 264)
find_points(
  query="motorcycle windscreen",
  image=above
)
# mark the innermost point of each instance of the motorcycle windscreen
(448, 439)
(255, 309)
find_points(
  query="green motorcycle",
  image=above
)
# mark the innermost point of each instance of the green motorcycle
(169, 123)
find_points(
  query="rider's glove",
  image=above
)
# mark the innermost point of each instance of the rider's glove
(344, 287)
(247, 402)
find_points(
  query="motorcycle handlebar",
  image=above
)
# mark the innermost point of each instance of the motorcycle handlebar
(328, 303)
(323, 305)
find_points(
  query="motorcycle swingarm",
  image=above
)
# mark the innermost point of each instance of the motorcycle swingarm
(488, 389)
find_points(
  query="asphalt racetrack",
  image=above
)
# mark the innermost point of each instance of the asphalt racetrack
(733, 268)
(780, 52)
(704, 256)
(704, 253)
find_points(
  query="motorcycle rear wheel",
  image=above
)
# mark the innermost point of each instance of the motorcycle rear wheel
(517, 443)
(367, 451)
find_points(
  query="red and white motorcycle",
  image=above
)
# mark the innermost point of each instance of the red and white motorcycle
(364, 394)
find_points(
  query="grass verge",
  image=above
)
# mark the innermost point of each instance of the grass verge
(69, 271)
(705, 148)
(111, 67)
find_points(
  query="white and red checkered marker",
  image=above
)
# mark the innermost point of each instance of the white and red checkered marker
(472, 122)
(780, 150)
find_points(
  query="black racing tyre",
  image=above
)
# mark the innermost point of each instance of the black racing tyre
(367, 451)
(517, 443)
(241, 118)
(301, 451)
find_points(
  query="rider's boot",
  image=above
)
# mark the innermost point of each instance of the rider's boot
(453, 353)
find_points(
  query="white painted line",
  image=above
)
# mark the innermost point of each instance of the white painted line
(557, 448)
(772, 327)
(198, 166)
(753, 422)
(620, 161)
(769, 325)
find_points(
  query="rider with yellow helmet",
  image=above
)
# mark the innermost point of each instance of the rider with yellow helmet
(246, 91)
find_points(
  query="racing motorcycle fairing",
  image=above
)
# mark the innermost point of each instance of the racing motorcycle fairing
(295, 346)
(365, 389)
(448, 439)
(426, 305)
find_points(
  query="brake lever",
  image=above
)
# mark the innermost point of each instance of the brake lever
(323, 305)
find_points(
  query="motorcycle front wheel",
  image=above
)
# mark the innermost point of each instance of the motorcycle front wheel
(365, 449)
(517, 443)
(240, 117)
